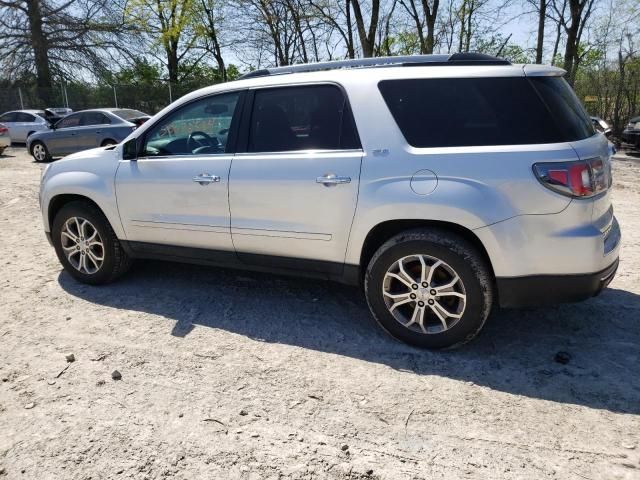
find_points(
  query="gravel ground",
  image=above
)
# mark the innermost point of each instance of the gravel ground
(229, 374)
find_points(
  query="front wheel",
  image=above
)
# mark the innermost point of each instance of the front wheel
(429, 288)
(86, 244)
(40, 152)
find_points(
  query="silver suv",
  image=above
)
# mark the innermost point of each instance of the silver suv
(442, 184)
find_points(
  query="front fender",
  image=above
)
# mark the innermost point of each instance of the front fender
(95, 187)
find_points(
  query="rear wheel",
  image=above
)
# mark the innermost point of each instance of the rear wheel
(39, 152)
(108, 142)
(431, 289)
(86, 244)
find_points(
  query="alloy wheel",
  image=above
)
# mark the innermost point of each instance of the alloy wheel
(82, 245)
(424, 294)
(39, 152)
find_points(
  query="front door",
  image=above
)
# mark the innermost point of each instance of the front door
(176, 192)
(293, 190)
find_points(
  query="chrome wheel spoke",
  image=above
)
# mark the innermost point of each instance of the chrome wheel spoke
(446, 312)
(405, 274)
(448, 285)
(442, 319)
(397, 304)
(433, 269)
(451, 294)
(399, 278)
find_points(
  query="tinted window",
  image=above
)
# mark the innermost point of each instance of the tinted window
(69, 121)
(94, 118)
(24, 117)
(569, 114)
(8, 117)
(199, 128)
(128, 114)
(471, 112)
(301, 118)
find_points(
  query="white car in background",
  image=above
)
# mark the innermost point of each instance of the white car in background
(22, 123)
(5, 138)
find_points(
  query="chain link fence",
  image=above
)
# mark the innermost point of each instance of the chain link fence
(148, 98)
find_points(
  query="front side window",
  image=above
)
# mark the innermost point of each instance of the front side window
(199, 128)
(301, 118)
(69, 121)
(457, 112)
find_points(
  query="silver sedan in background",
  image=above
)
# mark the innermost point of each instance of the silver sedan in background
(22, 123)
(84, 130)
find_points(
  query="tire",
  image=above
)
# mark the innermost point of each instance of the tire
(115, 261)
(2, 149)
(40, 152)
(470, 298)
(108, 142)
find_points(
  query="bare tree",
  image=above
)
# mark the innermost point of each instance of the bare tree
(366, 33)
(424, 15)
(57, 38)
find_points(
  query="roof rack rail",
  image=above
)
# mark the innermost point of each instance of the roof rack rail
(457, 59)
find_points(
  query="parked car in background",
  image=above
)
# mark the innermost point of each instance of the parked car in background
(53, 115)
(22, 123)
(84, 130)
(631, 133)
(5, 138)
(601, 126)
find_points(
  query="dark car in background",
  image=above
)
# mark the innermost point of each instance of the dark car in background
(84, 130)
(631, 133)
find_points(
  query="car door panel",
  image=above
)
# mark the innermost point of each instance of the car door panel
(280, 205)
(159, 201)
(278, 208)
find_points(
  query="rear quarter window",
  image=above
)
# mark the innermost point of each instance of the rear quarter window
(454, 112)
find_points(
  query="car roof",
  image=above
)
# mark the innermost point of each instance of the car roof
(383, 68)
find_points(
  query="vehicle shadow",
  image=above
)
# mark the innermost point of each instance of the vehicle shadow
(515, 353)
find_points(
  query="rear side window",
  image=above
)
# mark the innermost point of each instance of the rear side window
(94, 118)
(567, 110)
(313, 117)
(128, 114)
(24, 117)
(455, 112)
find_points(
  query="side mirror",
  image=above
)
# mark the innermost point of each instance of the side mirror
(130, 150)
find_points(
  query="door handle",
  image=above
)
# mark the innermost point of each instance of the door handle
(206, 179)
(332, 179)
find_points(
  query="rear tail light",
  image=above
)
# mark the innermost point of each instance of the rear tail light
(582, 179)
(3, 129)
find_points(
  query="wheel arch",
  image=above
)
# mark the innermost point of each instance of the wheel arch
(108, 141)
(383, 231)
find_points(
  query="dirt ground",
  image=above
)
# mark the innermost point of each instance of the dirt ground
(227, 374)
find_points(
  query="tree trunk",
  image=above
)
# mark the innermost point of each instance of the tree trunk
(367, 37)
(172, 61)
(541, 20)
(40, 51)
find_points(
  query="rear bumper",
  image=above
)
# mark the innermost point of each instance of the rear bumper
(541, 290)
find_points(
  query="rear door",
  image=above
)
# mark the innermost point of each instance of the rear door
(293, 189)
(91, 130)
